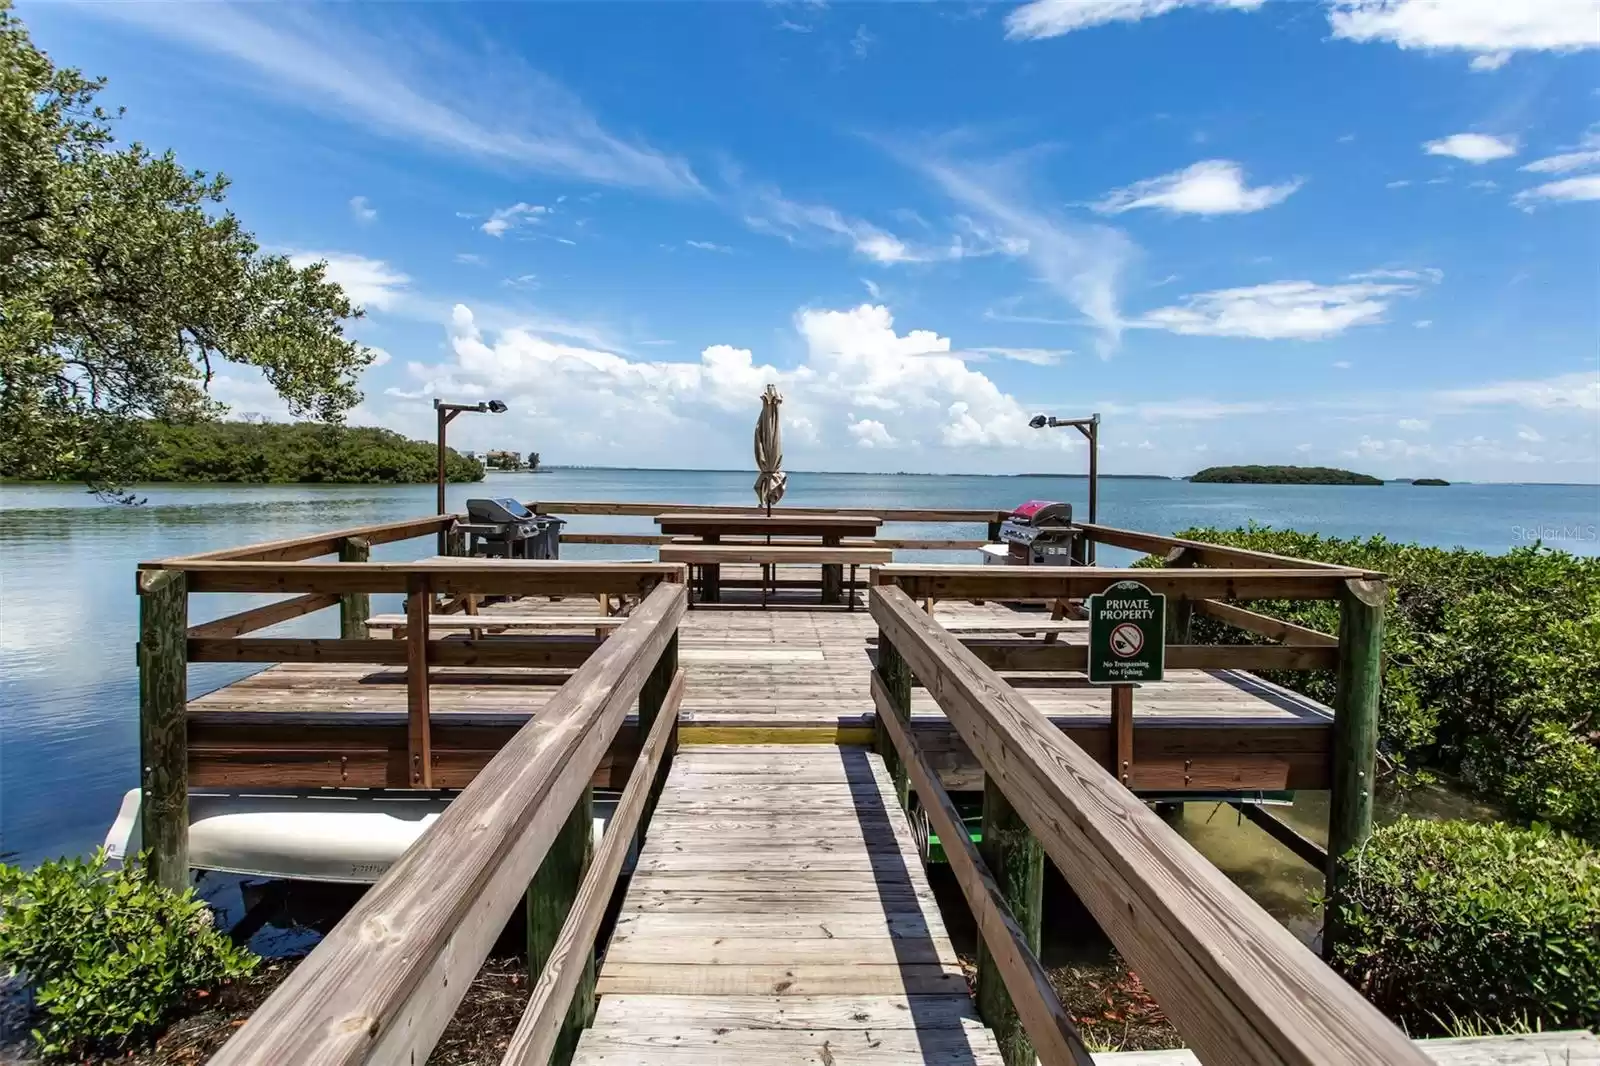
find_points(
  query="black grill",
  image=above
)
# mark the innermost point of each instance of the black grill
(502, 527)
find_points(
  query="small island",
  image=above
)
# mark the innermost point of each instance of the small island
(1282, 475)
(1430, 481)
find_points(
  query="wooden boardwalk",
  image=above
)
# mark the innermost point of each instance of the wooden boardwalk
(779, 914)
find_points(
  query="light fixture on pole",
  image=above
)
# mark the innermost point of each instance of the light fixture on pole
(446, 412)
(1090, 428)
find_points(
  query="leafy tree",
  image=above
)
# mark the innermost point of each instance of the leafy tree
(533, 460)
(121, 288)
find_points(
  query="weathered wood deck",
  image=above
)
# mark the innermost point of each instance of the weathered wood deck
(779, 914)
(794, 673)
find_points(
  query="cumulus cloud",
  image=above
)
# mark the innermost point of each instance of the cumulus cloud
(518, 214)
(1491, 30)
(1210, 187)
(1052, 18)
(1288, 310)
(860, 384)
(371, 283)
(1474, 148)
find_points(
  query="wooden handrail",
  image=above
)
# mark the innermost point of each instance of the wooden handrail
(511, 577)
(536, 1032)
(1238, 985)
(555, 651)
(1267, 626)
(1201, 552)
(650, 510)
(270, 614)
(1051, 1031)
(897, 543)
(386, 980)
(312, 545)
(1074, 658)
(961, 582)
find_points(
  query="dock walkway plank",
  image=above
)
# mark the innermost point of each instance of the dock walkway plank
(780, 914)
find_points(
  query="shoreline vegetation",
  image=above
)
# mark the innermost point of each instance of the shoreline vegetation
(1281, 475)
(275, 453)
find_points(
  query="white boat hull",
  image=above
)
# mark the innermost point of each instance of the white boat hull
(343, 835)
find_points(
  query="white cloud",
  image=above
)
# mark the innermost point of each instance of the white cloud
(862, 42)
(1528, 433)
(380, 357)
(371, 283)
(1298, 310)
(1210, 187)
(1579, 391)
(518, 214)
(1081, 264)
(1585, 157)
(1423, 323)
(361, 210)
(769, 211)
(1490, 29)
(1196, 409)
(1474, 148)
(1342, 364)
(1035, 356)
(873, 289)
(1414, 425)
(408, 84)
(708, 246)
(859, 382)
(469, 258)
(1400, 184)
(870, 433)
(1052, 18)
(1567, 189)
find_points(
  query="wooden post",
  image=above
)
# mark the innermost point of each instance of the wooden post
(163, 725)
(1355, 734)
(354, 607)
(992, 534)
(455, 542)
(1122, 733)
(1180, 609)
(896, 674)
(549, 898)
(1016, 861)
(419, 727)
(651, 695)
(832, 575)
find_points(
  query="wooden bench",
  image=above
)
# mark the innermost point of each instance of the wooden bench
(770, 555)
(474, 623)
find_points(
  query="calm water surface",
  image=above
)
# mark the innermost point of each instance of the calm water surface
(68, 613)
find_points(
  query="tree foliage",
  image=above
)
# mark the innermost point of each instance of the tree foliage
(123, 285)
(263, 452)
(1282, 475)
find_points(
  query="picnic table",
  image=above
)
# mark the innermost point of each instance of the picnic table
(830, 529)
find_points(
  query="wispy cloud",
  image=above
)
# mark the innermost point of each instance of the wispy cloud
(1210, 187)
(1081, 263)
(1491, 30)
(709, 246)
(1033, 356)
(361, 210)
(1288, 310)
(403, 85)
(1580, 391)
(1052, 18)
(518, 214)
(1474, 148)
(371, 283)
(1567, 189)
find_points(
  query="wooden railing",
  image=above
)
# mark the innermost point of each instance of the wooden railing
(386, 980)
(168, 644)
(1238, 986)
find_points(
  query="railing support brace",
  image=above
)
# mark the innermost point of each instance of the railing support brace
(163, 725)
(354, 607)
(1180, 609)
(896, 674)
(651, 697)
(419, 718)
(1355, 735)
(1016, 861)
(550, 897)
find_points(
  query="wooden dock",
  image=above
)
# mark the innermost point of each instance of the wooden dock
(773, 762)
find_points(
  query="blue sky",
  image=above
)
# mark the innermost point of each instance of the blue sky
(1361, 234)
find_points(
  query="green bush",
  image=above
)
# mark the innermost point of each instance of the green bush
(1493, 664)
(1464, 919)
(110, 955)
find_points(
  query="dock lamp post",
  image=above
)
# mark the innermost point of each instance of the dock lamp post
(446, 412)
(1090, 428)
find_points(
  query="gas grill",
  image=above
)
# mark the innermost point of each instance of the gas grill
(503, 527)
(1039, 533)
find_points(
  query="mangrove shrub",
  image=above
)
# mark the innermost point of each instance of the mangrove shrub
(1451, 920)
(110, 955)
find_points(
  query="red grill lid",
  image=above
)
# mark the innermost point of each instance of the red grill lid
(1037, 512)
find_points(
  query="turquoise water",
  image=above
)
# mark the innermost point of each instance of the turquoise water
(68, 614)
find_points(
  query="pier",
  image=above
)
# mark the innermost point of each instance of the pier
(782, 761)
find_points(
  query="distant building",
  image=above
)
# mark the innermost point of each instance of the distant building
(500, 460)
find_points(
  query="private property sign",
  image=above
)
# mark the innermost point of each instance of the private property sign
(1127, 635)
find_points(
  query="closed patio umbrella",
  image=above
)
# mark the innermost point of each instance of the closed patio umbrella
(769, 451)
